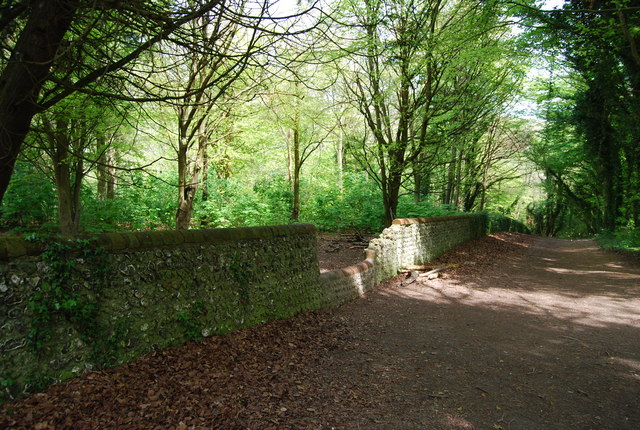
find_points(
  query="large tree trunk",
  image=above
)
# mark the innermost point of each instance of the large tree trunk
(24, 75)
(390, 196)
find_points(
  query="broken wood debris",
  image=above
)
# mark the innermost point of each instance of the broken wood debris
(432, 273)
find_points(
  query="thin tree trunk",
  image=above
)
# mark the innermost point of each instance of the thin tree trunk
(188, 183)
(185, 191)
(112, 179)
(340, 161)
(101, 167)
(295, 212)
(65, 198)
(68, 186)
(289, 140)
(458, 181)
(205, 176)
(450, 178)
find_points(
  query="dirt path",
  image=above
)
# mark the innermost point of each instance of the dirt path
(531, 333)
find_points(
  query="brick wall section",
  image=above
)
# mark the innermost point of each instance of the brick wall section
(344, 285)
(418, 240)
(407, 241)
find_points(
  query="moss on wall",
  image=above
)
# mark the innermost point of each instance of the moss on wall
(60, 315)
(72, 305)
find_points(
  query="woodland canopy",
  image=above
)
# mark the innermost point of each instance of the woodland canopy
(345, 113)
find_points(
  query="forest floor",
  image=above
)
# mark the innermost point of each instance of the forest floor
(338, 250)
(525, 333)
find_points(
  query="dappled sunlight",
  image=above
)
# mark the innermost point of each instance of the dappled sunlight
(572, 284)
(455, 422)
(595, 310)
(609, 273)
(630, 363)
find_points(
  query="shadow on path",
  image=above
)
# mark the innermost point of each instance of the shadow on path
(546, 338)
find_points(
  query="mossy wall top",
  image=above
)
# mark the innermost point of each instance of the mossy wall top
(153, 289)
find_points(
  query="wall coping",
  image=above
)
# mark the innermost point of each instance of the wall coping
(16, 246)
(367, 264)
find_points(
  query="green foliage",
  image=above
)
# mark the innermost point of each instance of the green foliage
(589, 152)
(623, 240)
(231, 204)
(191, 321)
(30, 200)
(408, 208)
(61, 297)
(148, 203)
(358, 207)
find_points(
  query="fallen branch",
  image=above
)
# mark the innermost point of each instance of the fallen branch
(432, 274)
(411, 279)
(418, 267)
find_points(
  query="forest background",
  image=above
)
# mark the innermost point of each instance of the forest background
(347, 114)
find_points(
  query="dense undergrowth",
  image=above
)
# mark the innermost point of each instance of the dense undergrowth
(149, 203)
(625, 240)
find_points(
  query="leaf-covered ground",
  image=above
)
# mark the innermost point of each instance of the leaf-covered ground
(525, 333)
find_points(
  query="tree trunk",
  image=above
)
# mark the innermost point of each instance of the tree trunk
(188, 183)
(65, 199)
(458, 182)
(106, 170)
(450, 178)
(25, 73)
(417, 184)
(111, 173)
(68, 184)
(101, 167)
(205, 176)
(390, 196)
(185, 189)
(340, 161)
(295, 211)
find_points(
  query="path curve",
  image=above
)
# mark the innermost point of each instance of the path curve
(527, 333)
(544, 338)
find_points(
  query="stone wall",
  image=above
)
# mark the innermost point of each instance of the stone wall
(412, 241)
(344, 285)
(67, 307)
(144, 291)
(408, 241)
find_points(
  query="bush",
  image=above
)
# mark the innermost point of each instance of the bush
(624, 240)
(30, 201)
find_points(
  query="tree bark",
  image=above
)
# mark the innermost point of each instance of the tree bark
(24, 75)
(340, 161)
(68, 178)
(101, 167)
(188, 182)
(295, 211)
